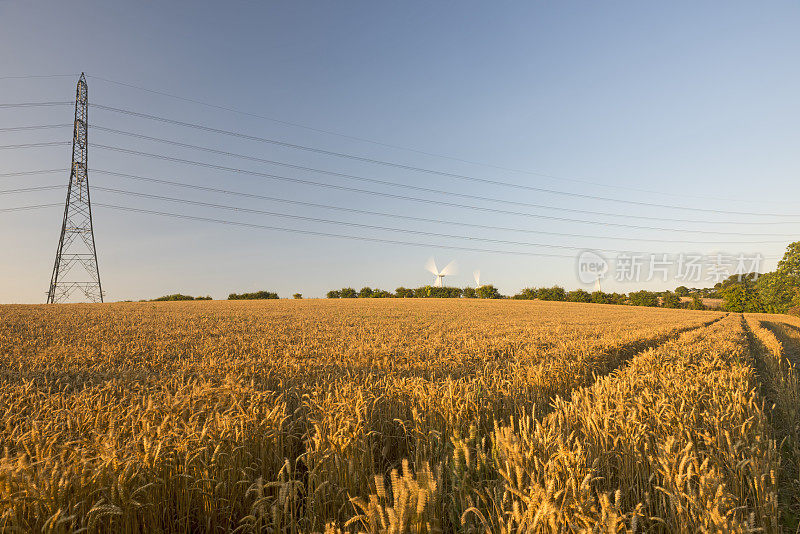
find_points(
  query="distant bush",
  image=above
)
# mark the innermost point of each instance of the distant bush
(488, 292)
(258, 295)
(297, 296)
(176, 296)
(670, 300)
(529, 293)
(403, 293)
(579, 295)
(348, 293)
(643, 298)
(437, 292)
(619, 298)
(365, 293)
(598, 297)
(696, 303)
(552, 293)
(424, 292)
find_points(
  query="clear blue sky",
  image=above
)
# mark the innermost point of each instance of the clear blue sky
(695, 101)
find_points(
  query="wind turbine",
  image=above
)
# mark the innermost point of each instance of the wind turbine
(449, 269)
(477, 275)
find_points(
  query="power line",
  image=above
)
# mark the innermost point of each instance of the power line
(35, 104)
(406, 167)
(29, 189)
(31, 173)
(22, 208)
(26, 128)
(328, 234)
(299, 231)
(444, 192)
(417, 151)
(409, 217)
(345, 223)
(437, 202)
(35, 145)
(30, 76)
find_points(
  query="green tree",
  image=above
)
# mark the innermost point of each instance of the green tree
(682, 291)
(469, 293)
(618, 298)
(403, 293)
(176, 296)
(790, 264)
(741, 294)
(365, 293)
(444, 292)
(333, 294)
(736, 279)
(348, 293)
(776, 291)
(579, 295)
(598, 297)
(670, 300)
(786, 287)
(552, 293)
(643, 298)
(529, 293)
(297, 296)
(423, 292)
(697, 303)
(742, 298)
(488, 292)
(258, 295)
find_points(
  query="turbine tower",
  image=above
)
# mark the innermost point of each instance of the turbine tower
(76, 243)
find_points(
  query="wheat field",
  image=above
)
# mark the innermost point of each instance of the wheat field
(397, 415)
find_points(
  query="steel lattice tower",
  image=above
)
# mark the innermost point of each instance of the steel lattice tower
(76, 244)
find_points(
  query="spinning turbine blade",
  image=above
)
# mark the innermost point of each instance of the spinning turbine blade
(430, 265)
(449, 269)
(477, 275)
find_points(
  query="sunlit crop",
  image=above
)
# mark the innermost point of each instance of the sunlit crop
(396, 415)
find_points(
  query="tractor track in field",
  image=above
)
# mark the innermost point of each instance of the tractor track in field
(789, 336)
(779, 389)
(618, 358)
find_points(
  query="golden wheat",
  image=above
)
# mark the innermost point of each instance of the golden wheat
(383, 416)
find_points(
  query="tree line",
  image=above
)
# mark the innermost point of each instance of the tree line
(483, 292)
(178, 296)
(773, 292)
(258, 295)
(665, 299)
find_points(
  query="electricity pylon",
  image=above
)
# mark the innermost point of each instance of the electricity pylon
(76, 244)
